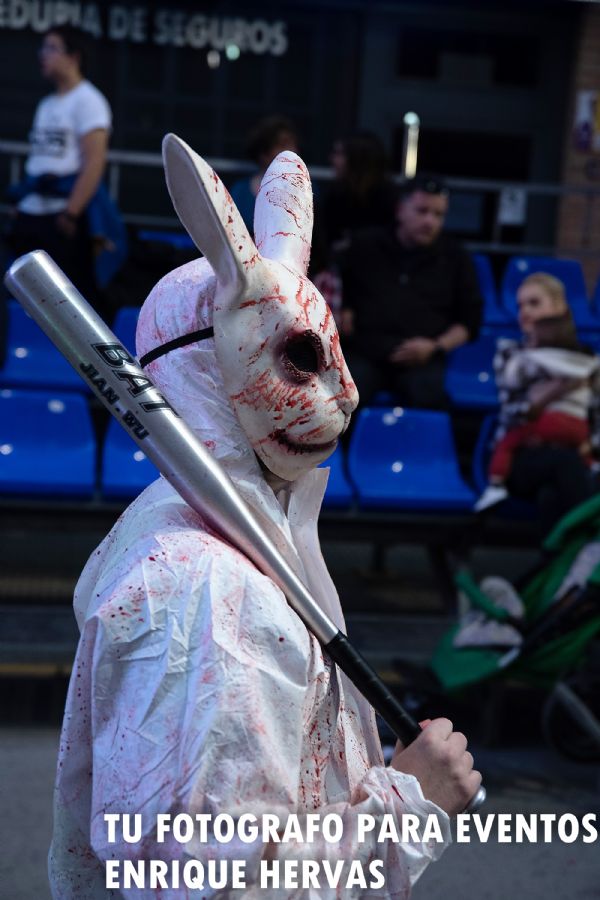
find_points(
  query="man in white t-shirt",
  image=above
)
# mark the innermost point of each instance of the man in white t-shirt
(69, 140)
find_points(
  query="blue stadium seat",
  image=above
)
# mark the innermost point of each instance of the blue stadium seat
(124, 326)
(493, 314)
(339, 491)
(126, 470)
(596, 299)
(406, 459)
(179, 240)
(32, 360)
(47, 444)
(595, 302)
(566, 270)
(470, 379)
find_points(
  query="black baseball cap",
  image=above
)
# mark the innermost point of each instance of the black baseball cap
(424, 181)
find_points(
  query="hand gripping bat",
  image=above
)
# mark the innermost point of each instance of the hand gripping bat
(124, 388)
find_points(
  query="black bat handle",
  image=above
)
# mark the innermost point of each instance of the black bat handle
(381, 699)
(372, 687)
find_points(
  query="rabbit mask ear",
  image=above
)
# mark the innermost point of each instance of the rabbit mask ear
(208, 214)
(283, 214)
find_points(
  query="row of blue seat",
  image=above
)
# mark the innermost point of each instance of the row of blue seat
(470, 379)
(397, 459)
(500, 305)
(48, 447)
(33, 361)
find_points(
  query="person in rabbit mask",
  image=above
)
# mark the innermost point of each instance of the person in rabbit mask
(196, 688)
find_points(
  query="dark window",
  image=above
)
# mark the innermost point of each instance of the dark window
(457, 56)
(469, 154)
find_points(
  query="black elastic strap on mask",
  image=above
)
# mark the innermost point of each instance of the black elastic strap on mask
(182, 341)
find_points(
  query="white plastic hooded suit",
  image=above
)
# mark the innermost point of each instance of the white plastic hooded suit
(196, 688)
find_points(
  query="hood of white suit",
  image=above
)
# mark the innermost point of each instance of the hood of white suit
(190, 377)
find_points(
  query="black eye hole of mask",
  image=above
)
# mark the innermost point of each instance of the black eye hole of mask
(303, 355)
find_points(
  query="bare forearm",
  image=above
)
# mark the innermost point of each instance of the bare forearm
(419, 350)
(93, 148)
(454, 337)
(83, 190)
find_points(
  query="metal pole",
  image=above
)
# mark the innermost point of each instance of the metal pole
(412, 124)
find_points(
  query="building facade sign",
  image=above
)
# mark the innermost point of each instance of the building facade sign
(142, 24)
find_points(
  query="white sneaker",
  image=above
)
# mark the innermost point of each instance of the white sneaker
(502, 594)
(493, 494)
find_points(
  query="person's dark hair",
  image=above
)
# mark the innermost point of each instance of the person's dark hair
(366, 163)
(425, 182)
(264, 136)
(557, 331)
(73, 39)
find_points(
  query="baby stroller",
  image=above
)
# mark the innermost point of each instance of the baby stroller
(556, 630)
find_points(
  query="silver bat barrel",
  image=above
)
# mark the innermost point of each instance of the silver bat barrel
(116, 378)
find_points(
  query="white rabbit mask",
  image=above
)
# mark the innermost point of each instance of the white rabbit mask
(275, 339)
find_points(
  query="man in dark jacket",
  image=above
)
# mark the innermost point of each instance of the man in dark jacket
(411, 295)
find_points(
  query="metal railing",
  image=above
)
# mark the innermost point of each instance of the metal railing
(119, 159)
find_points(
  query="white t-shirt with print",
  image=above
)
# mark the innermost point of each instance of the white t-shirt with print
(59, 123)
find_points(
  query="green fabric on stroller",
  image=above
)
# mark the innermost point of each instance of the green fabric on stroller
(456, 667)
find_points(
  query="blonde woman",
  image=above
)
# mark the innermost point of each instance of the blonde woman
(554, 476)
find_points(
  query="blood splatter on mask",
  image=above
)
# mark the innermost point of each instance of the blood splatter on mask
(276, 342)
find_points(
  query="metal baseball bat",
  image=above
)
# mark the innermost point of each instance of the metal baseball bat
(125, 389)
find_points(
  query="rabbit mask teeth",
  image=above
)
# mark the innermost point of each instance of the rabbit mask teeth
(276, 342)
